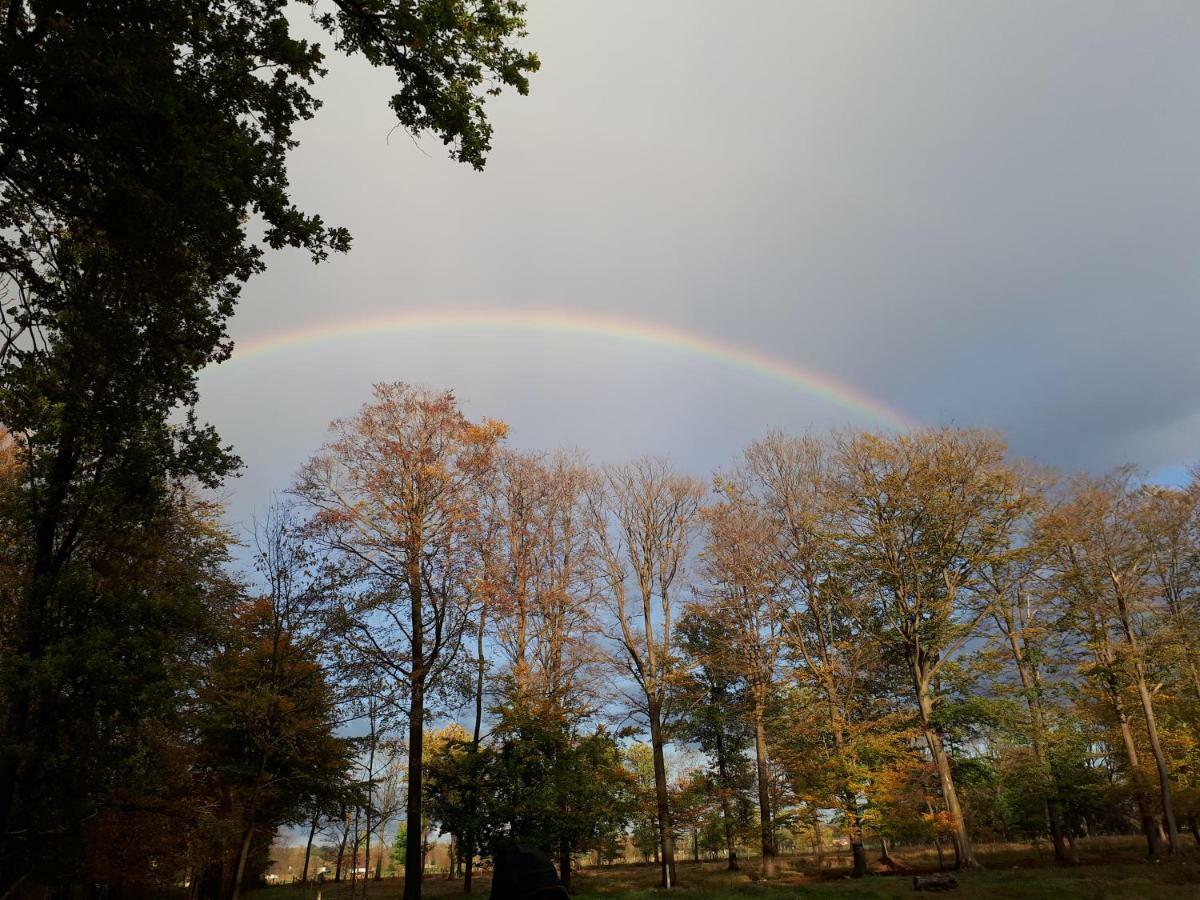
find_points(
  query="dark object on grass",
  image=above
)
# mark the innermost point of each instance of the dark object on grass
(937, 882)
(523, 872)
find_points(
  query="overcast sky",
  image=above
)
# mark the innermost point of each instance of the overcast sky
(977, 213)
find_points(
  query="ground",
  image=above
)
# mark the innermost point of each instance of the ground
(1112, 869)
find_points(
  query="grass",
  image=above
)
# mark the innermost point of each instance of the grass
(1111, 869)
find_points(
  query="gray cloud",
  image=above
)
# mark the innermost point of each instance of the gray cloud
(984, 213)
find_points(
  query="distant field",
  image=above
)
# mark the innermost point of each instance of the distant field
(1112, 869)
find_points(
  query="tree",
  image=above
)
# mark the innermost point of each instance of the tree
(714, 718)
(1104, 559)
(118, 113)
(922, 514)
(457, 786)
(145, 603)
(266, 712)
(538, 584)
(643, 518)
(693, 807)
(826, 628)
(518, 506)
(538, 572)
(639, 763)
(1169, 520)
(380, 765)
(1171, 523)
(1023, 619)
(265, 721)
(589, 799)
(542, 779)
(741, 564)
(399, 847)
(396, 498)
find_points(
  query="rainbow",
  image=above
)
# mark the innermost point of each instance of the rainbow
(616, 328)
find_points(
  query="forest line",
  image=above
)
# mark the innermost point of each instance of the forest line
(905, 637)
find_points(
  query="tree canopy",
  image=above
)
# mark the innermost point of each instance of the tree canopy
(143, 176)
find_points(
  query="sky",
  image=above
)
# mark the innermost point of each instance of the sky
(982, 214)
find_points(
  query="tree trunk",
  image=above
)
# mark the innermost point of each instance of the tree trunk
(1141, 796)
(726, 818)
(481, 669)
(858, 851)
(354, 856)
(312, 833)
(764, 793)
(564, 863)
(370, 799)
(413, 844)
(252, 813)
(337, 874)
(1160, 758)
(962, 840)
(730, 844)
(243, 855)
(1057, 835)
(1149, 826)
(666, 837)
(886, 858)
(468, 866)
(1033, 701)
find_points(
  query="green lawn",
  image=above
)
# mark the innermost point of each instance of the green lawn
(1111, 870)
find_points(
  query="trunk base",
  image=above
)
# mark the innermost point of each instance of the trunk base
(860, 860)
